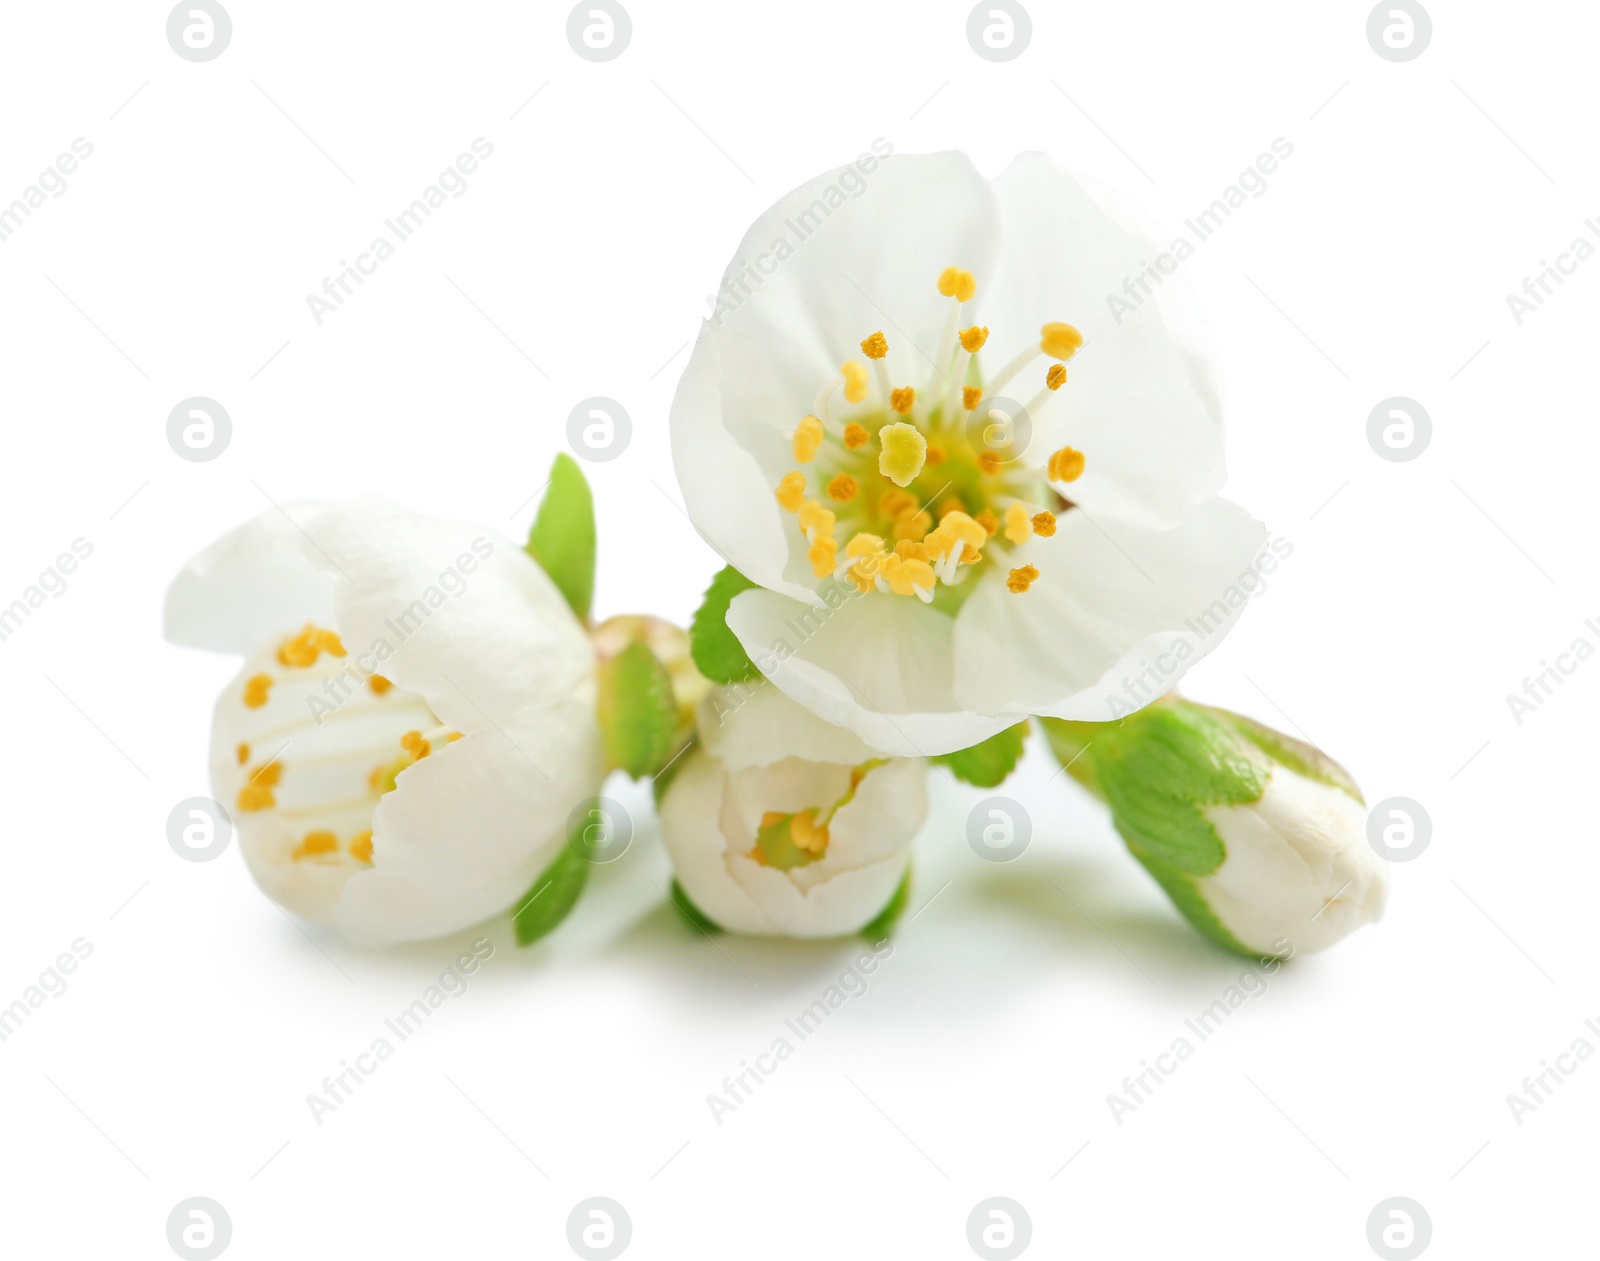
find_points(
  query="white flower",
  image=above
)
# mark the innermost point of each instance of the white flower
(1298, 867)
(831, 443)
(414, 722)
(767, 843)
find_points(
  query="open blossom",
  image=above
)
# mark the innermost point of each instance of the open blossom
(414, 721)
(769, 843)
(966, 491)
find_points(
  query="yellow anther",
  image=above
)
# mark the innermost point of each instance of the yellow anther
(874, 347)
(255, 690)
(452, 737)
(1056, 377)
(1044, 524)
(990, 461)
(413, 743)
(903, 399)
(361, 847)
(815, 518)
(912, 525)
(300, 650)
(949, 505)
(863, 545)
(256, 797)
(1066, 465)
(1019, 580)
(1060, 341)
(807, 833)
(823, 555)
(382, 778)
(935, 453)
(843, 488)
(972, 339)
(971, 396)
(892, 503)
(1019, 526)
(330, 643)
(903, 450)
(792, 491)
(855, 380)
(807, 440)
(910, 549)
(957, 283)
(989, 522)
(856, 436)
(243, 753)
(379, 684)
(317, 843)
(860, 575)
(965, 528)
(905, 576)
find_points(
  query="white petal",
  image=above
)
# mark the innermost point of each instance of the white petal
(868, 261)
(1117, 616)
(881, 666)
(1141, 399)
(755, 724)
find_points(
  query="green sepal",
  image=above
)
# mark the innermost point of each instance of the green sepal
(638, 715)
(690, 913)
(989, 763)
(669, 772)
(1303, 759)
(562, 539)
(885, 920)
(716, 650)
(552, 896)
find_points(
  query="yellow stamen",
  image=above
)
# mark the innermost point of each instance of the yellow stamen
(935, 453)
(989, 522)
(905, 576)
(1066, 465)
(952, 504)
(855, 381)
(971, 396)
(1056, 377)
(823, 555)
(903, 399)
(989, 461)
(256, 797)
(972, 339)
(361, 847)
(1019, 526)
(792, 491)
(912, 525)
(814, 517)
(255, 690)
(893, 503)
(843, 488)
(856, 436)
(413, 743)
(1060, 341)
(243, 753)
(903, 452)
(875, 347)
(910, 549)
(1044, 524)
(807, 440)
(807, 833)
(379, 684)
(329, 642)
(1019, 580)
(957, 283)
(317, 843)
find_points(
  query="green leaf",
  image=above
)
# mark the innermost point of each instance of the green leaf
(552, 896)
(692, 914)
(562, 539)
(716, 649)
(638, 715)
(886, 919)
(987, 765)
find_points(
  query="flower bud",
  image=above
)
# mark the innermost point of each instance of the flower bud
(1258, 838)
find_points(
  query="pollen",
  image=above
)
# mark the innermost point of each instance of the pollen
(1066, 465)
(989, 461)
(242, 753)
(989, 522)
(814, 517)
(317, 843)
(379, 684)
(957, 283)
(254, 797)
(330, 643)
(875, 347)
(823, 555)
(912, 525)
(1019, 580)
(903, 399)
(807, 440)
(863, 545)
(1019, 526)
(1044, 524)
(1060, 341)
(971, 395)
(950, 505)
(792, 491)
(843, 488)
(1056, 377)
(910, 549)
(936, 453)
(361, 847)
(856, 436)
(807, 833)
(893, 503)
(904, 451)
(255, 690)
(855, 380)
(413, 743)
(972, 339)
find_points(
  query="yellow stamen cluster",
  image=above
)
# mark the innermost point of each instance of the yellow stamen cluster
(1066, 465)
(807, 440)
(792, 491)
(807, 833)
(256, 688)
(876, 346)
(1019, 580)
(816, 523)
(303, 649)
(257, 792)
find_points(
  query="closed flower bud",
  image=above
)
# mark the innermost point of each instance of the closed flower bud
(1258, 838)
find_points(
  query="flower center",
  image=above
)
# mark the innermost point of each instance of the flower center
(923, 485)
(318, 743)
(787, 841)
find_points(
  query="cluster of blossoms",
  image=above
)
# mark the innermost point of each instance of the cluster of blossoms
(920, 569)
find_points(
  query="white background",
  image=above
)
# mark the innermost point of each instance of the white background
(1419, 594)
